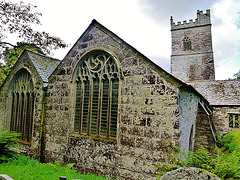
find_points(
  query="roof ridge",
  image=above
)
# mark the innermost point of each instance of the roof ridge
(43, 55)
(218, 80)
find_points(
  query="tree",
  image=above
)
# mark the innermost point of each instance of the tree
(18, 18)
(11, 55)
(237, 75)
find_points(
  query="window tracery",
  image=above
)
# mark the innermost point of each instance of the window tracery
(22, 105)
(187, 45)
(97, 86)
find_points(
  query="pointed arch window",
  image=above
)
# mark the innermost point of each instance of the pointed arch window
(22, 96)
(187, 45)
(97, 90)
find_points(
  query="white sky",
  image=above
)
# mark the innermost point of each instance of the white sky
(144, 24)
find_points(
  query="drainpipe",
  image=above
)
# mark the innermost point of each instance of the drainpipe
(42, 125)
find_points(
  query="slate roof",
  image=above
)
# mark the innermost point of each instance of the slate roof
(45, 65)
(219, 92)
(155, 67)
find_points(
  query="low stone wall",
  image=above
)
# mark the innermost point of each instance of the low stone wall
(5, 177)
(189, 173)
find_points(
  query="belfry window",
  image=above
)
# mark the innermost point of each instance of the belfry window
(187, 44)
(97, 89)
(22, 96)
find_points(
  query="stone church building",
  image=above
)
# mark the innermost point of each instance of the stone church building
(110, 110)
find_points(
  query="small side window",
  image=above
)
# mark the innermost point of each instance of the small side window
(234, 120)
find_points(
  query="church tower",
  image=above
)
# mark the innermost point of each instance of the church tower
(192, 54)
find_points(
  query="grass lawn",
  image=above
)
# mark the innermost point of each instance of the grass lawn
(24, 168)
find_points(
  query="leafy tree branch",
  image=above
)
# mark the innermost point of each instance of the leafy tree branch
(18, 19)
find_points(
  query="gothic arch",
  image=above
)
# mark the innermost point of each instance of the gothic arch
(96, 78)
(21, 95)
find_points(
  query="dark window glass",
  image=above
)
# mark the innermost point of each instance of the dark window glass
(96, 113)
(22, 105)
(187, 44)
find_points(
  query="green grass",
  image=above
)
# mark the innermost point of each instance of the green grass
(24, 168)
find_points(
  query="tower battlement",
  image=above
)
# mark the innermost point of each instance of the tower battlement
(201, 20)
(192, 54)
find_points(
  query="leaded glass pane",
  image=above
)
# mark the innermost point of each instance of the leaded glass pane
(100, 76)
(114, 108)
(22, 105)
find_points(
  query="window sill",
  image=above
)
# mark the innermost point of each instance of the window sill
(24, 142)
(97, 138)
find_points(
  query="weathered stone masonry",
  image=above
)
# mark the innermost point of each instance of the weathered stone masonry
(195, 63)
(32, 148)
(192, 61)
(148, 121)
(155, 111)
(147, 102)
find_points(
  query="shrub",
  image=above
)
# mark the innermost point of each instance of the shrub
(7, 140)
(224, 162)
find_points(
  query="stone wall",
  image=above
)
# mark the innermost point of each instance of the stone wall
(155, 112)
(220, 116)
(148, 118)
(204, 135)
(32, 148)
(147, 122)
(196, 63)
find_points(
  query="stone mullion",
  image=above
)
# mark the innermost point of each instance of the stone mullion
(109, 107)
(24, 116)
(13, 114)
(233, 117)
(81, 106)
(16, 110)
(99, 106)
(31, 107)
(19, 114)
(81, 115)
(89, 106)
(27, 119)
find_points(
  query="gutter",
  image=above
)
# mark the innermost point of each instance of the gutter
(210, 119)
(41, 148)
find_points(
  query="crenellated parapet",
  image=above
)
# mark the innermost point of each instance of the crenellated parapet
(201, 20)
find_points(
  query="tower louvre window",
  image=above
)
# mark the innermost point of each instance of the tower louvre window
(187, 44)
(97, 91)
(22, 105)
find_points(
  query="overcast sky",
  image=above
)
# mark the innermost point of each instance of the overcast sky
(144, 24)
